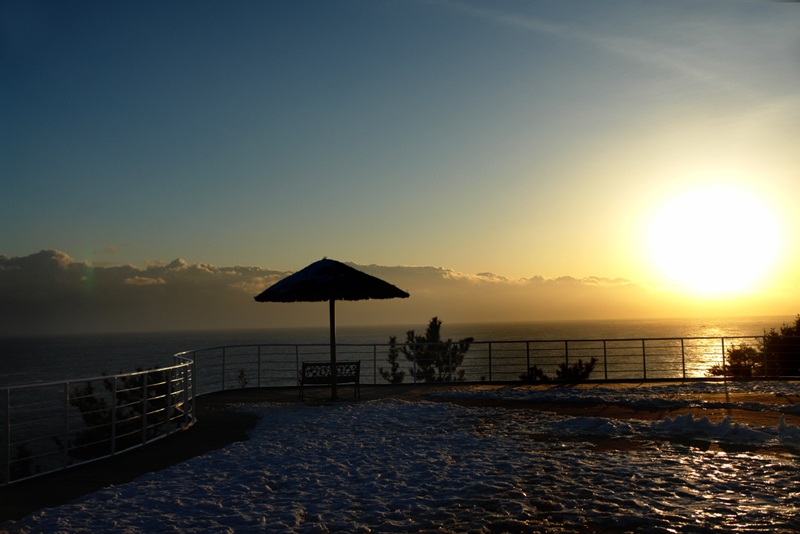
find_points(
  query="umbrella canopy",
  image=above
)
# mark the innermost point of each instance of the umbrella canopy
(330, 280)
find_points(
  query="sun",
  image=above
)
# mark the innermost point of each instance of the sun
(714, 239)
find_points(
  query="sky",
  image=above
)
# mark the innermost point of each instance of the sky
(501, 143)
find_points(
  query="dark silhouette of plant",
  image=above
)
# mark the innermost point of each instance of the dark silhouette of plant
(22, 466)
(741, 362)
(95, 439)
(781, 350)
(242, 377)
(575, 372)
(92, 441)
(394, 375)
(435, 360)
(578, 371)
(534, 374)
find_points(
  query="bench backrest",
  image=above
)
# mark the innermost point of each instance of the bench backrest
(320, 373)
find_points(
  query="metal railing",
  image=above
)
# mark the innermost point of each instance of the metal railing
(56, 425)
(53, 426)
(277, 365)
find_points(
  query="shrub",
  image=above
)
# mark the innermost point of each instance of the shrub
(574, 372)
(22, 466)
(578, 371)
(781, 350)
(741, 362)
(242, 378)
(95, 439)
(434, 360)
(394, 375)
(778, 355)
(534, 374)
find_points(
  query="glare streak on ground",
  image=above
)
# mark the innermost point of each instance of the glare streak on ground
(395, 466)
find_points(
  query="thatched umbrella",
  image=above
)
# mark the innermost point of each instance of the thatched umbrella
(330, 280)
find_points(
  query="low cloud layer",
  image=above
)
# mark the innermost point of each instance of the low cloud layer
(49, 292)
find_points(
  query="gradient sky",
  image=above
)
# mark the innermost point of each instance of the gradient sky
(518, 138)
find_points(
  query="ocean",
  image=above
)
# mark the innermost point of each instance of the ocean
(26, 360)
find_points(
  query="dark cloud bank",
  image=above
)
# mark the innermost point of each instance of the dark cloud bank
(49, 292)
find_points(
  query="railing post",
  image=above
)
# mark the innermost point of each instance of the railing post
(527, 356)
(374, 364)
(223, 368)
(259, 366)
(193, 378)
(683, 359)
(297, 364)
(144, 408)
(605, 359)
(8, 436)
(722, 339)
(490, 361)
(414, 352)
(66, 424)
(644, 361)
(450, 362)
(185, 403)
(114, 415)
(566, 354)
(169, 400)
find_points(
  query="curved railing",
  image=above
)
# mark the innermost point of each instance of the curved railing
(57, 425)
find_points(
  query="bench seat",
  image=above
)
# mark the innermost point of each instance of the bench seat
(320, 373)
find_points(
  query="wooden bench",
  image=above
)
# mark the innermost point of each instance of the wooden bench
(320, 373)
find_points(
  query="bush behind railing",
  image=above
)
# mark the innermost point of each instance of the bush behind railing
(57, 425)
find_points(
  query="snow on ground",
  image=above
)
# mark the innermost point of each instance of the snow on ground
(669, 396)
(394, 466)
(672, 396)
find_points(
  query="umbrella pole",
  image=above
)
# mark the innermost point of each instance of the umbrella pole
(334, 396)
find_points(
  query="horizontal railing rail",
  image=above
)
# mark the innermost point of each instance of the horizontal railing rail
(277, 365)
(57, 425)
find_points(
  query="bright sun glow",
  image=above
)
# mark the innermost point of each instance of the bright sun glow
(714, 239)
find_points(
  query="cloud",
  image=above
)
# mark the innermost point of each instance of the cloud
(142, 281)
(460, 297)
(49, 292)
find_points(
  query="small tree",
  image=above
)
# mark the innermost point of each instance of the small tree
(534, 374)
(22, 466)
(394, 375)
(94, 439)
(781, 350)
(242, 377)
(576, 371)
(435, 360)
(742, 361)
